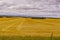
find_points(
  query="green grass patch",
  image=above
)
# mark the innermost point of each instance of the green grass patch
(27, 38)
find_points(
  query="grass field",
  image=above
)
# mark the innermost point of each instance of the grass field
(29, 27)
(24, 38)
(27, 38)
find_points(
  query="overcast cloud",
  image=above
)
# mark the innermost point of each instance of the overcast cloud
(31, 8)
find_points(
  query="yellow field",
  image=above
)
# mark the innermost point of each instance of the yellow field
(28, 26)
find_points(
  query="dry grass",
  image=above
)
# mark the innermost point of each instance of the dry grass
(28, 26)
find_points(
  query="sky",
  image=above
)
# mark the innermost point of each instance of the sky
(32, 8)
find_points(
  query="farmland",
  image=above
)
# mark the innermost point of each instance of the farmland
(29, 27)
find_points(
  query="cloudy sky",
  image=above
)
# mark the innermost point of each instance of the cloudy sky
(32, 8)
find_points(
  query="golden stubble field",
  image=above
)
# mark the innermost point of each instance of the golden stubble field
(27, 26)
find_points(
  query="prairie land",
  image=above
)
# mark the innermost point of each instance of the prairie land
(29, 27)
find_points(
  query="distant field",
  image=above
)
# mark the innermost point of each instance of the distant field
(29, 27)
